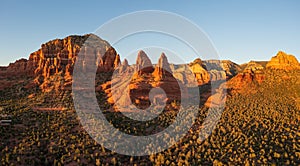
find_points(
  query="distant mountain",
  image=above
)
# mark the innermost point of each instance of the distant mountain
(283, 61)
(255, 72)
(256, 75)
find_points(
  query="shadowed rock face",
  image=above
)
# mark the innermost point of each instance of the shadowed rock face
(205, 71)
(283, 61)
(20, 68)
(200, 73)
(231, 69)
(18, 72)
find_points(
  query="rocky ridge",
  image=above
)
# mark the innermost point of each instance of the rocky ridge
(252, 76)
(254, 72)
(51, 68)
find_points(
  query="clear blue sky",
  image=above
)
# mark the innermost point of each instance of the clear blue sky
(240, 30)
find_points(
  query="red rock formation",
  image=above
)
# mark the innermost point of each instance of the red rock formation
(244, 82)
(109, 61)
(20, 68)
(283, 61)
(216, 75)
(252, 75)
(52, 65)
(143, 64)
(200, 73)
(205, 71)
(51, 68)
(164, 79)
(16, 73)
(244, 79)
(149, 78)
(117, 61)
(133, 86)
(124, 66)
(231, 69)
(162, 69)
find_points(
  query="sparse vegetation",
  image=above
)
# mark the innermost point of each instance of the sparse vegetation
(255, 129)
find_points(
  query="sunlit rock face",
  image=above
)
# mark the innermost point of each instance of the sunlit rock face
(283, 61)
(132, 85)
(52, 65)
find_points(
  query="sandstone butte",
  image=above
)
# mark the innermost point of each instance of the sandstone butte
(254, 72)
(55, 61)
(283, 61)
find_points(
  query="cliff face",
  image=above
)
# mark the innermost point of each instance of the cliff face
(229, 68)
(283, 61)
(16, 73)
(252, 75)
(52, 65)
(205, 71)
(200, 73)
(21, 68)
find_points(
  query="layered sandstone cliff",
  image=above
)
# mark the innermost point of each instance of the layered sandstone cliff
(52, 65)
(283, 61)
